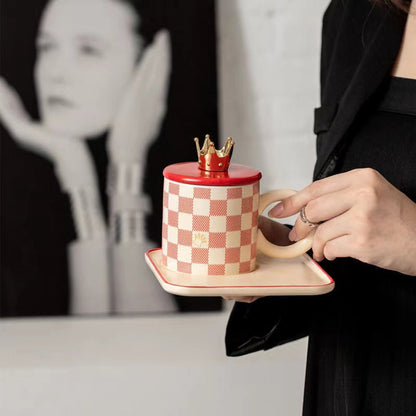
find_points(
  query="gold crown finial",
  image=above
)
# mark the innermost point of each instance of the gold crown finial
(211, 159)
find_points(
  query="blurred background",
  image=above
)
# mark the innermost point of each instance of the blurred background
(244, 69)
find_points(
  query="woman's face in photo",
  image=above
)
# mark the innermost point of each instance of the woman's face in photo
(86, 54)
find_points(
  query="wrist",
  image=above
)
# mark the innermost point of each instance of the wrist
(128, 204)
(127, 227)
(125, 178)
(87, 214)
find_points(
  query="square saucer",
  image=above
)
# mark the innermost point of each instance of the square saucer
(272, 277)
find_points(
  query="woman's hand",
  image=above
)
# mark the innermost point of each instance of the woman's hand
(69, 155)
(363, 216)
(144, 105)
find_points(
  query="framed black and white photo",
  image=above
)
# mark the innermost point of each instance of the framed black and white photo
(96, 98)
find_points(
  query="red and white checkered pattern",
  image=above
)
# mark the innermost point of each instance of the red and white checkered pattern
(209, 230)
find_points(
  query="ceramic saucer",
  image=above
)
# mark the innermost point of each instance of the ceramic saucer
(272, 277)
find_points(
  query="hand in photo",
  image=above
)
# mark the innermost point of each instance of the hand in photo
(144, 105)
(69, 155)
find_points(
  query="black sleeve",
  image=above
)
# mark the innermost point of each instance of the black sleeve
(269, 322)
(330, 28)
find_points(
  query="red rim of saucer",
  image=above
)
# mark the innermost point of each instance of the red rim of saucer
(330, 283)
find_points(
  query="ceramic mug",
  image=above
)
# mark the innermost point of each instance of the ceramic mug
(213, 230)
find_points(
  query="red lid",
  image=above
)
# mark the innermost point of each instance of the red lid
(190, 173)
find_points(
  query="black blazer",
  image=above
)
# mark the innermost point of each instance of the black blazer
(360, 43)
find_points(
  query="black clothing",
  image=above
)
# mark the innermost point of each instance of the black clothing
(362, 358)
(399, 97)
(362, 349)
(36, 228)
(360, 43)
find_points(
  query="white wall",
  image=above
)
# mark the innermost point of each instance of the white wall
(269, 79)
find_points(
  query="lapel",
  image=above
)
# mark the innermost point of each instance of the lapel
(377, 60)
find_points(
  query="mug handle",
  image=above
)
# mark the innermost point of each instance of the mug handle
(272, 250)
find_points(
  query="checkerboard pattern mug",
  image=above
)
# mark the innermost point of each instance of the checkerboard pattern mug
(209, 230)
(210, 215)
(212, 230)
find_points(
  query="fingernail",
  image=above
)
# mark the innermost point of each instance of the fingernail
(276, 210)
(292, 235)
